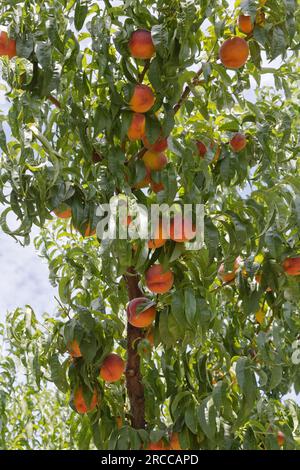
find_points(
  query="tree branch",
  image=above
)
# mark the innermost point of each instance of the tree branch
(187, 91)
(144, 71)
(135, 388)
(54, 101)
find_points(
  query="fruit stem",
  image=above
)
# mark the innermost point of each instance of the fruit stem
(144, 71)
(135, 388)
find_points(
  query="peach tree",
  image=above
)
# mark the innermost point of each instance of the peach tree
(158, 346)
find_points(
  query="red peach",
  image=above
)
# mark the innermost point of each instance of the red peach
(245, 24)
(159, 145)
(160, 237)
(141, 45)
(230, 275)
(145, 181)
(137, 127)
(181, 229)
(291, 266)
(238, 142)
(80, 404)
(7, 45)
(142, 99)
(155, 161)
(280, 438)
(112, 368)
(74, 349)
(234, 52)
(158, 280)
(138, 314)
(63, 211)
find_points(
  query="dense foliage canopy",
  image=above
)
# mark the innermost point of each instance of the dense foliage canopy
(222, 353)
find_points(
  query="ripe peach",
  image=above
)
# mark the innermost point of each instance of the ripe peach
(158, 280)
(145, 181)
(7, 45)
(142, 99)
(280, 438)
(112, 368)
(159, 445)
(138, 314)
(89, 232)
(291, 266)
(156, 187)
(181, 229)
(150, 336)
(119, 422)
(155, 161)
(238, 142)
(141, 45)
(137, 127)
(80, 404)
(159, 145)
(234, 52)
(230, 275)
(174, 441)
(245, 24)
(74, 349)
(159, 237)
(63, 211)
(202, 149)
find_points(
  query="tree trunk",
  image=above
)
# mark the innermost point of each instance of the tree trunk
(135, 388)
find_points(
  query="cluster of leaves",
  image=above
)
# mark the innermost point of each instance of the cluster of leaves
(215, 375)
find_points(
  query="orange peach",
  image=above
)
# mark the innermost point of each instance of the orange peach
(119, 422)
(174, 441)
(150, 336)
(137, 127)
(230, 275)
(138, 314)
(291, 266)
(159, 237)
(158, 280)
(234, 52)
(159, 145)
(157, 187)
(74, 349)
(80, 404)
(202, 149)
(89, 232)
(159, 445)
(112, 368)
(181, 229)
(280, 438)
(155, 161)
(245, 24)
(141, 45)
(63, 211)
(145, 181)
(238, 142)
(142, 99)
(7, 46)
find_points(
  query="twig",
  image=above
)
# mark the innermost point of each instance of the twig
(144, 71)
(187, 91)
(54, 101)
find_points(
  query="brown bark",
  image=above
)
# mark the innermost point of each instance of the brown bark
(135, 388)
